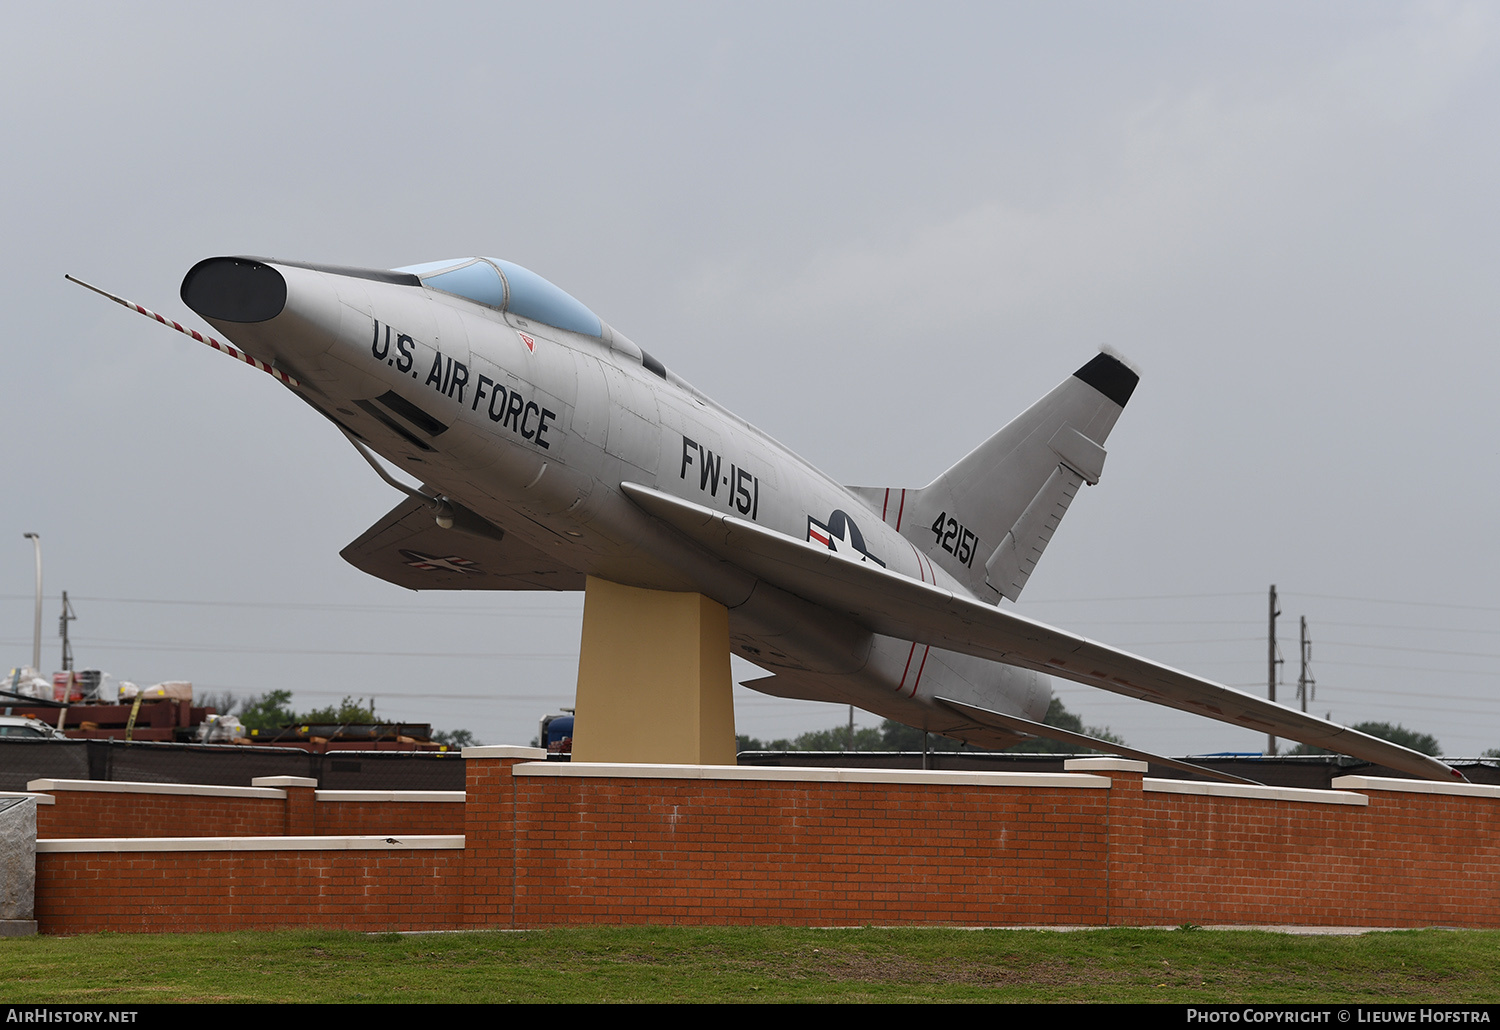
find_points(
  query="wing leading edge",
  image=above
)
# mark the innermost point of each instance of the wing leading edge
(894, 605)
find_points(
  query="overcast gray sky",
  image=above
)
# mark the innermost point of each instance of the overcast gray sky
(878, 231)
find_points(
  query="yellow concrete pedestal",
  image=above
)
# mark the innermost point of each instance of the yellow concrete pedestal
(653, 678)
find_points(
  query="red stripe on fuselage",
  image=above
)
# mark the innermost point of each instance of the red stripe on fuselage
(926, 649)
(920, 571)
(908, 665)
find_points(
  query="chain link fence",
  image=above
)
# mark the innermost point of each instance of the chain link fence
(22, 761)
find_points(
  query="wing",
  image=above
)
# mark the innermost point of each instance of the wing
(408, 548)
(894, 605)
(1108, 747)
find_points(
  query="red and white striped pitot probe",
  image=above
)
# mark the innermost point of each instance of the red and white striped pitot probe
(217, 345)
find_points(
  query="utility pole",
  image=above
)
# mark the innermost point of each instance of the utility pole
(1306, 685)
(1273, 659)
(36, 638)
(66, 617)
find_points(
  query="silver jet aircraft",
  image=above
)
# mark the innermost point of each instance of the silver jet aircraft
(550, 448)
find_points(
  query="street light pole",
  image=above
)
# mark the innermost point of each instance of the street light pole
(36, 638)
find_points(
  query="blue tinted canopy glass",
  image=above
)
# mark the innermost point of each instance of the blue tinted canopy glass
(508, 286)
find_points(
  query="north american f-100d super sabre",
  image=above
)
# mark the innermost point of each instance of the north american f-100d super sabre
(550, 448)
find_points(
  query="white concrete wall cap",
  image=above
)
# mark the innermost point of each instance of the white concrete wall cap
(1104, 764)
(1475, 790)
(130, 787)
(406, 842)
(630, 770)
(41, 799)
(283, 781)
(444, 796)
(504, 751)
(1303, 795)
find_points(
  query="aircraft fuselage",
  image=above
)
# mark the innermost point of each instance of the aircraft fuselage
(534, 427)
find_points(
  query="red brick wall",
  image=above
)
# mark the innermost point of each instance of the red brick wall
(489, 843)
(548, 850)
(84, 813)
(1408, 859)
(180, 891)
(812, 852)
(1236, 860)
(357, 817)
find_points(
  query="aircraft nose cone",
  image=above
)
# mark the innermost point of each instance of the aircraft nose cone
(231, 289)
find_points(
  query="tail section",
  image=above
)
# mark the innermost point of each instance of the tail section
(988, 519)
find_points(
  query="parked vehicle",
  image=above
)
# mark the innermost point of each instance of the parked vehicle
(25, 727)
(557, 735)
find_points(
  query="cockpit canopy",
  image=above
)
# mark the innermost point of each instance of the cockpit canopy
(509, 287)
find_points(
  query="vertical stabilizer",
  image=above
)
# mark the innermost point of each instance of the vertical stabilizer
(988, 519)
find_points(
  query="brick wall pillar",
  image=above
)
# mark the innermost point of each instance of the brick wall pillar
(1127, 900)
(489, 865)
(301, 819)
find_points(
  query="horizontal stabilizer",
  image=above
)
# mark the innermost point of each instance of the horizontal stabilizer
(1108, 747)
(409, 549)
(829, 689)
(890, 603)
(834, 689)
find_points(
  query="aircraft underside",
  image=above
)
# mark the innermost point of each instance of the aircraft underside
(811, 653)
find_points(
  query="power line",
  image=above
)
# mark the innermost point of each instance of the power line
(1143, 597)
(1174, 643)
(347, 606)
(1414, 668)
(1346, 693)
(384, 694)
(330, 606)
(261, 649)
(1170, 622)
(1412, 650)
(1413, 629)
(1388, 600)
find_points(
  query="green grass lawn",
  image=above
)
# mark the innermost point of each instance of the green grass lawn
(736, 964)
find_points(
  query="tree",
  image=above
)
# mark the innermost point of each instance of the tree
(346, 712)
(223, 702)
(1426, 743)
(268, 711)
(743, 742)
(456, 739)
(273, 710)
(1059, 716)
(897, 736)
(837, 739)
